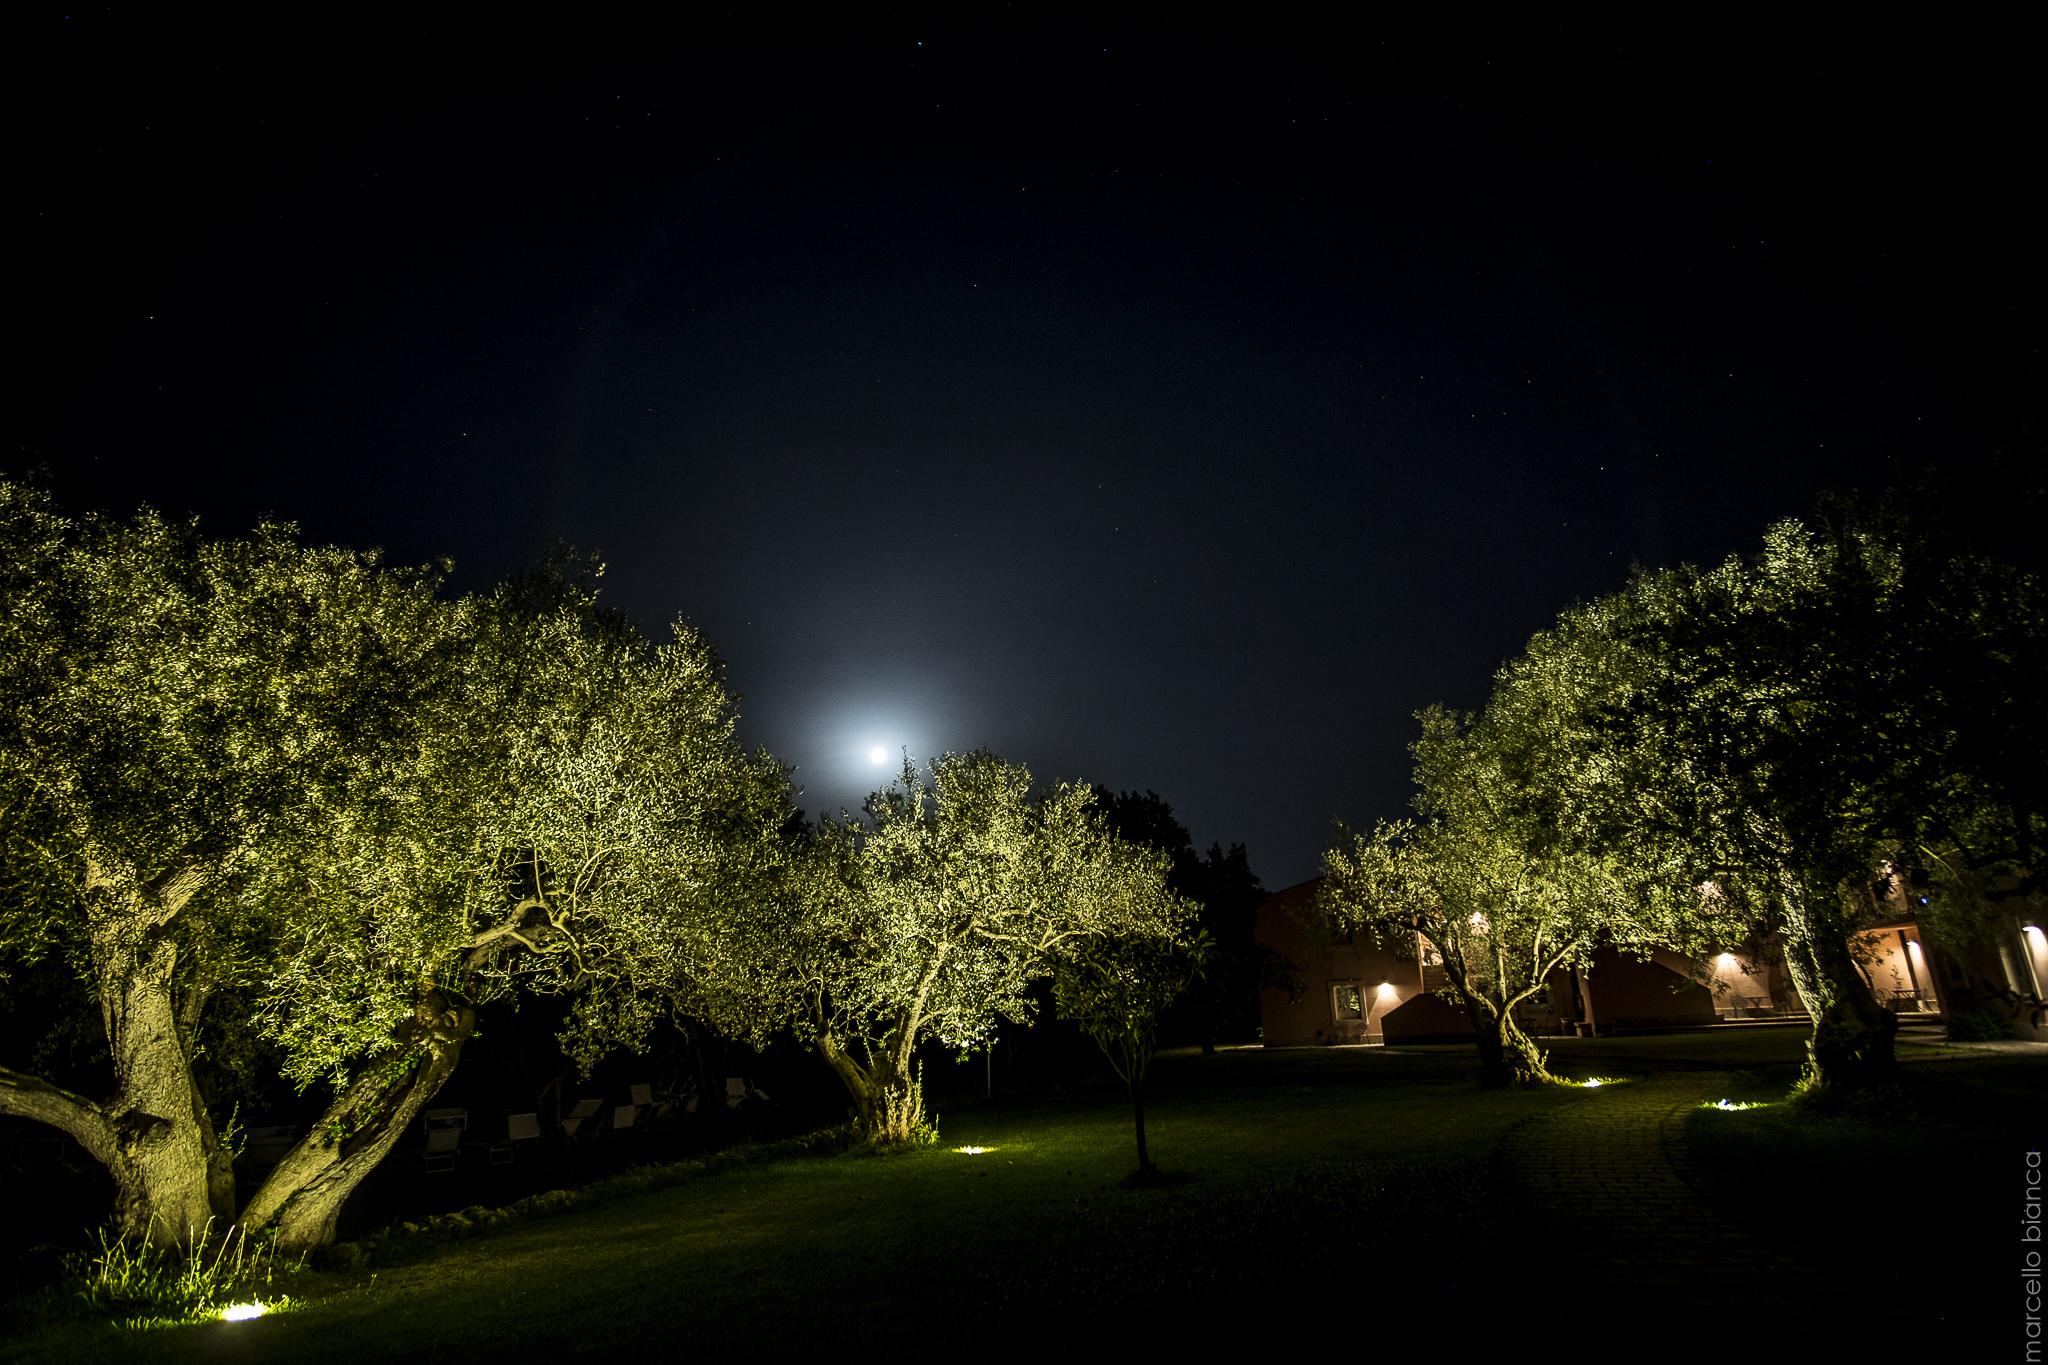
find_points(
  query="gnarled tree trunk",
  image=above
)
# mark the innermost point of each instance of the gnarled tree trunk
(888, 1098)
(888, 1093)
(1852, 1043)
(302, 1199)
(1508, 1057)
(171, 1178)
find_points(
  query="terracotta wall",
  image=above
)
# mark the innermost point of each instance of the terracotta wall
(1306, 1014)
(1626, 992)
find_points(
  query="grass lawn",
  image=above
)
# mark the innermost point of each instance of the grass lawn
(1315, 1189)
(1910, 1206)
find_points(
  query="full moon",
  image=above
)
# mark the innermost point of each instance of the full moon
(878, 755)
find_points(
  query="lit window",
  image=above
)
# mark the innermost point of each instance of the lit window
(1348, 1001)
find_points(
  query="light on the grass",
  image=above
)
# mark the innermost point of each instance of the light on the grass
(242, 1312)
(973, 1151)
(1733, 1106)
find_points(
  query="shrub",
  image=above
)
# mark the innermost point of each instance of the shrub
(137, 1284)
(1978, 1026)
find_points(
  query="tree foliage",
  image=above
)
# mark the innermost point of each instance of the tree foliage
(1118, 989)
(931, 925)
(574, 826)
(1222, 1000)
(1501, 902)
(180, 714)
(296, 778)
(1798, 732)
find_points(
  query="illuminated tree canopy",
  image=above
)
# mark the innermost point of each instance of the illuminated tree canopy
(932, 925)
(1801, 730)
(180, 717)
(299, 782)
(1501, 901)
(1221, 1001)
(584, 815)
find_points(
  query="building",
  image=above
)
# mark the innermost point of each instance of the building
(1354, 990)
(2003, 985)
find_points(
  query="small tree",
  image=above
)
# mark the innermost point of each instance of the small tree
(1223, 1000)
(1117, 989)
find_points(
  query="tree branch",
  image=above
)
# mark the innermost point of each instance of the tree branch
(31, 1097)
(511, 927)
(915, 1015)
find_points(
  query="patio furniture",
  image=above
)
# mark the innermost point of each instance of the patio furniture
(518, 1128)
(585, 1110)
(444, 1129)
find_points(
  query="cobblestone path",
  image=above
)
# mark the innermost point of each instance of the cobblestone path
(1607, 1180)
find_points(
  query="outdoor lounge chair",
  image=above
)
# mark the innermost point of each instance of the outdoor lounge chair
(585, 1109)
(518, 1128)
(444, 1138)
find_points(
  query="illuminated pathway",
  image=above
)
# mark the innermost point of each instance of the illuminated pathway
(1605, 1178)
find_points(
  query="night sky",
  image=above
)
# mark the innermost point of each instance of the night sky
(1168, 409)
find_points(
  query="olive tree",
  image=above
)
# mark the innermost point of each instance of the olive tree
(179, 714)
(932, 924)
(1118, 989)
(582, 819)
(1753, 733)
(1500, 901)
(1222, 1000)
(1979, 642)
(300, 777)
(1794, 729)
